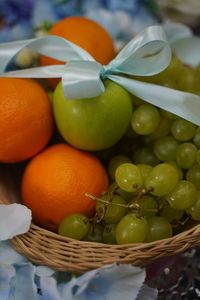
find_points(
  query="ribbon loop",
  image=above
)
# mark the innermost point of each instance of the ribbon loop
(52, 46)
(147, 54)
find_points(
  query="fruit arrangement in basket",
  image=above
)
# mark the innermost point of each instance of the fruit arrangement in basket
(114, 155)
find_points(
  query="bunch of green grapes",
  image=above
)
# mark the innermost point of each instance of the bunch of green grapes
(154, 174)
(177, 76)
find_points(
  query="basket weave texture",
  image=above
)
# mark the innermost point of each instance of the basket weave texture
(44, 247)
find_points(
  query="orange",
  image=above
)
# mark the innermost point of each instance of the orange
(26, 122)
(55, 182)
(85, 33)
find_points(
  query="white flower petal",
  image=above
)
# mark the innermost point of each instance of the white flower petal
(109, 282)
(8, 255)
(142, 19)
(24, 286)
(43, 271)
(50, 289)
(7, 272)
(125, 281)
(106, 19)
(14, 219)
(124, 23)
(43, 11)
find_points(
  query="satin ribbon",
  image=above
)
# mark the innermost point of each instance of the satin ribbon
(147, 54)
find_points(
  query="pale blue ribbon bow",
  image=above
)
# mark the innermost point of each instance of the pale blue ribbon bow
(147, 54)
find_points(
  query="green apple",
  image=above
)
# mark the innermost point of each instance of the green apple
(93, 123)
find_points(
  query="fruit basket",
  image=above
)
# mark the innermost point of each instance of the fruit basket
(67, 254)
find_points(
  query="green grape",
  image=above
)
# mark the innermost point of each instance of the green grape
(168, 115)
(115, 162)
(95, 233)
(115, 189)
(162, 179)
(109, 234)
(198, 156)
(145, 155)
(144, 169)
(170, 75)
(145, 119)
(163, 129)
(183, 195)
(171, 214)
(165, 148)
(186, 155)
(128, 177)
(75, 226)
(194, 210)
(159, 228)
(180, 171)
(193, 175)
(196, 138)
(110, 212)
(148, 206)
(187, 81)
(183, 130)
(131, 229)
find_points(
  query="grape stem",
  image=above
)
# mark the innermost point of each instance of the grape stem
(132, 205)
(139, 194)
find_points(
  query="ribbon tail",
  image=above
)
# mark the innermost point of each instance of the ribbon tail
(184, 105)
(37, 72)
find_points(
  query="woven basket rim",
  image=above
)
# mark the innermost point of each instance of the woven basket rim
(117, 246)
(65, 254)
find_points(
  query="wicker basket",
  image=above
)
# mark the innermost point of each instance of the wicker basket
(65, 254)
